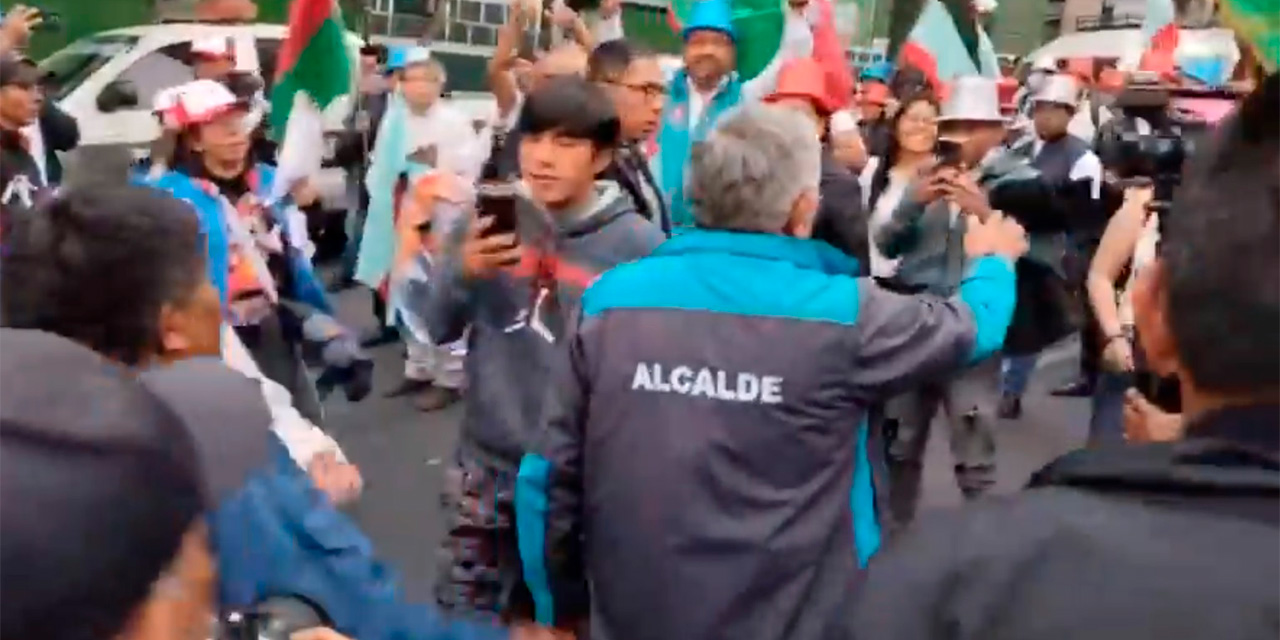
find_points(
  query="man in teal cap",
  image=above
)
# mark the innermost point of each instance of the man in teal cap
(708, 85)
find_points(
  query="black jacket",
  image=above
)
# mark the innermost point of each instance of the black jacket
(1173, 540)
(61, 132)
(630, 169)
(841, 221)
(20, 179)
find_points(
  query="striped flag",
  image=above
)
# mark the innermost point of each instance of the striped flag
(315, 68)
(1160, 26)
(937, 45)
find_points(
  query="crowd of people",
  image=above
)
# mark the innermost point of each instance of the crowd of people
(700, 327)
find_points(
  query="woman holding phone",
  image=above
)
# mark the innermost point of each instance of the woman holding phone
(885, 178)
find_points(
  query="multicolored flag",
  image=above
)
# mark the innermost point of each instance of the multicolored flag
(1160, 26)
(946, 42)
(315, 68)
(1257, 24)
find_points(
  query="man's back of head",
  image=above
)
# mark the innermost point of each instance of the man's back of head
(1218, 285)
(120, 269)
(758, 170)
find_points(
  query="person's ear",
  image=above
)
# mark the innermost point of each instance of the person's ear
(601, 161)
(1149, 297)
(804, 209)
(174, 331)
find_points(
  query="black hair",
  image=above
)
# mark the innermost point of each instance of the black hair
(573, 107)
(375, 50)
(97, 264)
(880, 179)
(610, 60)
(908, 80)
(1221, 267)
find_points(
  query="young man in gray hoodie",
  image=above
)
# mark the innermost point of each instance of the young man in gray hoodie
(512, 290)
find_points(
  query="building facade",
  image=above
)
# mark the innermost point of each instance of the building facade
(1070, 16)
(469, 27)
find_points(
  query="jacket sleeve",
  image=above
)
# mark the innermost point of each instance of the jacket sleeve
(841, 221)
(903, 340)
(60, 130)
(443, 301)
(279, 537)
(904, 592)
(549, 496)
(900, 233)
(302, 438)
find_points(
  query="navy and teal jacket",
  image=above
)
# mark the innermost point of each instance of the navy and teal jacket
(209, 205)
(676, 138)
(280, 537)
(705, 437)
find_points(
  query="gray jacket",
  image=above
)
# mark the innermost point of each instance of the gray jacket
(514, 323)
(929, 239)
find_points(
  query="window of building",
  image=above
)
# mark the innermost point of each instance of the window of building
(473, 22)
(159, 70)
(466, 72)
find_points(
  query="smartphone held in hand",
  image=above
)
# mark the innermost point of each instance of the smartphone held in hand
(497, 201)
(948, 153)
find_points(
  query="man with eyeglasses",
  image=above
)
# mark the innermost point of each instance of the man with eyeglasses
(634, 80)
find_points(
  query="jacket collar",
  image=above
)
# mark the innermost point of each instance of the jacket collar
(1229, 451)
(679, 87)
(1254, 426)
(813, 255)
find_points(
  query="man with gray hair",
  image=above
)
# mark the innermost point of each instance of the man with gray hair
(726, 433)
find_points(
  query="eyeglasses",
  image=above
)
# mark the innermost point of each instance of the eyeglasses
(920, 121)
(651, 91)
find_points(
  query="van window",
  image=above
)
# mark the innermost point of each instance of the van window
(70, 67)
(159, 70)
(268, 53)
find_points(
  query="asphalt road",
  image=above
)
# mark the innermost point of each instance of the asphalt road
(400, 451)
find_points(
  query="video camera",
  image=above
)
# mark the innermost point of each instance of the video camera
(1147, 139)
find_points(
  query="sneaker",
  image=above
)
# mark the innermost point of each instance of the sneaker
(435, 399)
(1079, 388)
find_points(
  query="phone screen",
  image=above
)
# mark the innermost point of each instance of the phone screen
(497, 200)
(948, 153)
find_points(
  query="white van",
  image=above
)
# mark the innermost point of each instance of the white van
(108, 82)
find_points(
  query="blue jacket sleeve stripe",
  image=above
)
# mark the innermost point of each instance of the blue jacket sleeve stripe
(866, 527)
(531, 523)
(989, 292)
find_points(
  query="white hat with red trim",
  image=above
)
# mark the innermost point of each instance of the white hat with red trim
(195, 103)
(216, 47)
